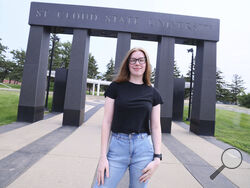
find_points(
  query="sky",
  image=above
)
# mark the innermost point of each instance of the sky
(233, 48)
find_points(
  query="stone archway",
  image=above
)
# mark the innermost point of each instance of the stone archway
(86, 21)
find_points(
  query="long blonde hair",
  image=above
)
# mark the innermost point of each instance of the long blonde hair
(124, 72)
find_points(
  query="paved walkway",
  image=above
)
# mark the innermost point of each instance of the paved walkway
(46, 154)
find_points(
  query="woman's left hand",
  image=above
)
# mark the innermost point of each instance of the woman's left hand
(149, 170)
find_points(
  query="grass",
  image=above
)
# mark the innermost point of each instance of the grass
(231, 127)
(9, 105)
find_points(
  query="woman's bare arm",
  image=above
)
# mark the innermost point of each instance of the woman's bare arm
(156, 128)
(106, 127)
(156, 138)
(106, 124)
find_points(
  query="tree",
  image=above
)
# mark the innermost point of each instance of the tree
(92, 70)
(18, 63)
(62, 50)
(236, 88)
(92, 67)
(109, 74)
(56, 55)
(222, 93)
(187, 79)
(65, 51)
(188, 75)
(5, 66)
(177, 72)
(244, 100)
(2, 51)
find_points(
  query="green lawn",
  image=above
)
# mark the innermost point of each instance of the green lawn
(231, 127)
(9, 104)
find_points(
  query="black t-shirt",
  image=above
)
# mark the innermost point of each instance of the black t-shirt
(133, 106)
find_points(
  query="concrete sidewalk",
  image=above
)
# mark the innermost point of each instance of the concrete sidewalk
(45, 154)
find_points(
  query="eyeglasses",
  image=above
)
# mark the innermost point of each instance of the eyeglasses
(141, 60)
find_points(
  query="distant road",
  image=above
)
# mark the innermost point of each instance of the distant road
(9, 89)
(230, 107)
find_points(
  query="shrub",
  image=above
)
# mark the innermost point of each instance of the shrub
(244, 100)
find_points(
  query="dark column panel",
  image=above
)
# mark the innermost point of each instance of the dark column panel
(59, 89)
(122, 47)
(204, 96)
(32, 95)
(164, 80)
(178, 101)
(76, 82)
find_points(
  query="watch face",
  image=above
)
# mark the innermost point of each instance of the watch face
(160, 156)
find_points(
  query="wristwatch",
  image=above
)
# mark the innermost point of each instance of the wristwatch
(158, 155)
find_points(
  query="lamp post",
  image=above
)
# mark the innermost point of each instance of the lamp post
(54, 40)
(191, 82)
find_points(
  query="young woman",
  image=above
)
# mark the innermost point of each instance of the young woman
(131, 116)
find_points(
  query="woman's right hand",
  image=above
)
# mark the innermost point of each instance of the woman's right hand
(102, 166)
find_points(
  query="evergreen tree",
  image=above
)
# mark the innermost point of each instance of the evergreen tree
(222, 93)
(236, 88)
(177, 72)
(92, 67)
(92, 70)
(2, 51)
(188, 75)
(109, 74)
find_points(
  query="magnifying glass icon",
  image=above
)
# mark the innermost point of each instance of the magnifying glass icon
(231, 158)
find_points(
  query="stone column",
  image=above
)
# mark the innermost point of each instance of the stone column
(98, 88)
(32, 95)
(74, 106)
(204, 92)
(164, 80)
(122, 47)
(59, 89)
(93, 89)
(178, 99)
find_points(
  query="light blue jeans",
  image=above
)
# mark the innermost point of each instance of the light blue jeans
(133, 151)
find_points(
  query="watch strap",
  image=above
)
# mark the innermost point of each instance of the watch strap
(158, 155)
